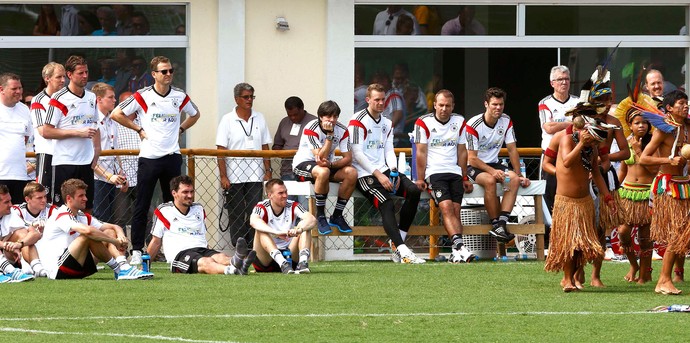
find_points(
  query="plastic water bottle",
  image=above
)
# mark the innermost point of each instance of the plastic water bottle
(679, 308)
(521, 257)
(523, 168)
(146, 262)
(394, 175)
(506, 180)
(288, 256)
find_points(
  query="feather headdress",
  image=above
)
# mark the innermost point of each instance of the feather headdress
(636, 103)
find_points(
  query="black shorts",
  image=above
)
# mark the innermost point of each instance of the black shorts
(187, 261)
(44, 172)
(372, 189)
(446, 186)
(473, 172)
(69, 268)
(65, 172)
(272, 267)
(303, 171)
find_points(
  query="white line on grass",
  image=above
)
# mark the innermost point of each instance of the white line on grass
(157, 338)
(327, 315)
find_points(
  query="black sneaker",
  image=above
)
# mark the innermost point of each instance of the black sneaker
(341, 224)
(251, 257)
(323, 226)
(286, 268)
(500, 233)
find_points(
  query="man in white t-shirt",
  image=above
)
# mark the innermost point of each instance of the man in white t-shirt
(181, 230)
(386, 21)
(54, 76)
(486, 134)
(71, 121)
(242, 177)
(160, 108)
(277, 238)
(442, 166)
(15, 130)
(315, 161)
(74, 241)
(16, 239)
(35, 210)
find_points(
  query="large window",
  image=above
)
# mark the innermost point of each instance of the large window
(521, 44)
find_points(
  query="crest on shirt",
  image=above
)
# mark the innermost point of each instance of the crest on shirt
(92, 104)
(501, 131)
(384, 128)
(454, 127)
(197, 216)
(175, 103)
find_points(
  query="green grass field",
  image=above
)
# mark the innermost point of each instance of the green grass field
(343, 302)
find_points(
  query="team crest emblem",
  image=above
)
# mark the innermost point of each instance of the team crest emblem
(370, 181)
(501, 131)
(454, 127)
(175, 103)
(91, 104)
(198, 216)
(384, 128)
(56, 198)
(439, 194)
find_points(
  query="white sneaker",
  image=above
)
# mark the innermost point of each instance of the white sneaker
(609, 255)
(395, 254)
(135, 259)
(411, 258)
(462, 255)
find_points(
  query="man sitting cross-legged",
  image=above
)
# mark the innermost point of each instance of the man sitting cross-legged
(180, 228)
(17, 239)
(314, 161)
(276, 233)
(74, 241)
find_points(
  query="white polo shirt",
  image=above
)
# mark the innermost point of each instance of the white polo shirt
(238, 134)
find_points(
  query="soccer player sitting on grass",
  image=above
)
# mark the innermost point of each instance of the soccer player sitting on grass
(314, 161)
(574, 239)
(277, 236)
(74, 241)
(442, 166)
(181, 229)
(17, 239)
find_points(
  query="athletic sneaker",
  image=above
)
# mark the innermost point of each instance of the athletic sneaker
(4, 278)
(286, 268)
(609, 254)
(133, 274)
(251, 257)
(41, 273)
(241, 251)
(395, 254)
(324, 227)
(462, 255)
(302, 268)
(135, 259)
(411, 258)
(502, 235)
(19, 276)
(341, 224)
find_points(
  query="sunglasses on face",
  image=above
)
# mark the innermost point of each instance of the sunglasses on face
(166, 71)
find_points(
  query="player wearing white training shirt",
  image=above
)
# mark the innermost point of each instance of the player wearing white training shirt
(54, 76)
(371, 140)
(15, 130)
(315, 161)
(159, 108)
(442, 166)
(74, 240)
(180, 228)
(486, 134)
(277, 236)
(15, 239)
(71, 122)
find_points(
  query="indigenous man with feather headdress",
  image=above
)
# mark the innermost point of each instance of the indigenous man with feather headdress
(671, 187)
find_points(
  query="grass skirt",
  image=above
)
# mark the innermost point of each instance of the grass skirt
(607, 218)
(671, 199)
(633, 202)
(572, 230)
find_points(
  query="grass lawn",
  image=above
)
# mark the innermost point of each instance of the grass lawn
(343, 302)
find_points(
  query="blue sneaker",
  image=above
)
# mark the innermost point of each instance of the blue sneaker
(340, 223)
(133, 274)
(19, 276)
(324, 227)
(4, 278)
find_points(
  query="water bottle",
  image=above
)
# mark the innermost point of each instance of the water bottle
(146, 262)
(394, 175)
(506, 180)
(679, 308)
(287, 254)
(523, 168)
(521, 257)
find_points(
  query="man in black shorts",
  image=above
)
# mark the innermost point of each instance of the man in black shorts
(315, 161)
(179, 225)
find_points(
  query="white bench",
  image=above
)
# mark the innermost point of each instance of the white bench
(434, 229)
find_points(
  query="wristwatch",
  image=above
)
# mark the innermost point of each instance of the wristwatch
(330, 137)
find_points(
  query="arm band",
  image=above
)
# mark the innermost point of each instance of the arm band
(550, 153)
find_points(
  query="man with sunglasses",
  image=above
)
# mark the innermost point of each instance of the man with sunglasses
(159, 108)
(241, 178)
(386, 21)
